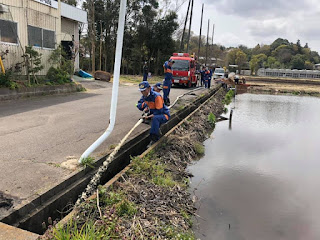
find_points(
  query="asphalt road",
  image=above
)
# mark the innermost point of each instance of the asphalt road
(38, 134)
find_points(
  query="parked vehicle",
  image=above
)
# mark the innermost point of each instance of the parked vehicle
(184, 70)
(218, 73)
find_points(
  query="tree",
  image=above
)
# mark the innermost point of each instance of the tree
(271, 62)
(278, 42)
(257, 62)
(308, 65)
(297, 62)
(283, 53)
(241, 59)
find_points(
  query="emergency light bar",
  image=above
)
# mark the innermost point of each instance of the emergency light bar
(181, 54)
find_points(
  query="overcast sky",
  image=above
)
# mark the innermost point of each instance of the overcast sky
(250, 22)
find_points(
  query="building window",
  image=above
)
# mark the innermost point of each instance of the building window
(39, 37)
(8, 31)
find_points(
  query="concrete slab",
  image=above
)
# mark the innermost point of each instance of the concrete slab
(8, 232)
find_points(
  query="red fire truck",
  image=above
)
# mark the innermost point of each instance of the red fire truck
(184, 70)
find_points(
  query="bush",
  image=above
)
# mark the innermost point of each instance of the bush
(212, 119)
(228, 98)
(58, 76)
(5, 80)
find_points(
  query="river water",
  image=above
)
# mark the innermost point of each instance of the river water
(260, 180)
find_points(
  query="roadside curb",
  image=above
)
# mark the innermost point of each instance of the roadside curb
(8, 94)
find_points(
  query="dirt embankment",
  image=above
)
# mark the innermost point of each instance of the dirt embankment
(284, 86)
(151, 200)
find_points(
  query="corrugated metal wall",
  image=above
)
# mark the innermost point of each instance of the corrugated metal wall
(67, 29)
(28, 12)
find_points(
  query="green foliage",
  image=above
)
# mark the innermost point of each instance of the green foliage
(88, 231)
(172, 233)
(63, 69)
(228, 98)
(212, 119)
(87, 162)
(125, 207)
(199, 148)
(57, 76)
(298, 61)
(33, 63)
(257, 61)
(6, 80)
(154, 169)
(110, 198)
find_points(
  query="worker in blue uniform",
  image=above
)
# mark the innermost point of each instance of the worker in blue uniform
(202, 74)
(206, 78)
(167, 67)
(157, 87)
(210, 77)
(152, 103)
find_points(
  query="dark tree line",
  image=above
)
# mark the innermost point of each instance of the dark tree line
(148, 35)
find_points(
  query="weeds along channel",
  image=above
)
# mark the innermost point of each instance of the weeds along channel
(151, 200)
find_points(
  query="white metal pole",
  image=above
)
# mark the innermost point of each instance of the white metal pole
(115, 86)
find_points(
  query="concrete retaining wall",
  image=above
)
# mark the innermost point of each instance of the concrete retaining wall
(7, 94)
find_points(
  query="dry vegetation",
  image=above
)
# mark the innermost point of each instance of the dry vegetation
(151, 200)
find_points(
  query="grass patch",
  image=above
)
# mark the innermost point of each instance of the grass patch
(198, 148)
(87, 162)
(172, 233)
(138, 78)
(72, 231)
(126, 208)
(212, 119)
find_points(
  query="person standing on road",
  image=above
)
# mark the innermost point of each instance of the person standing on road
(206, 78)
(152, 103)
(210, 77)
(145, 71)
(167, 67)
(202, 74)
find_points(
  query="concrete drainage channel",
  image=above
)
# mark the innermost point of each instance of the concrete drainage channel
(57, 202)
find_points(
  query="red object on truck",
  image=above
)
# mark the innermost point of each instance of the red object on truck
(184, 69)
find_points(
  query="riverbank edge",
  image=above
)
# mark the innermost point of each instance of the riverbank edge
(194, 132)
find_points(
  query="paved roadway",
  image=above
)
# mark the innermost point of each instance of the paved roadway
(38, 134)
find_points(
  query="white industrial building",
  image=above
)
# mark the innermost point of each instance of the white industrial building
(288, 73)
(43, 24)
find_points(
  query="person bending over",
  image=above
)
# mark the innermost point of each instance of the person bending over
(152, 104)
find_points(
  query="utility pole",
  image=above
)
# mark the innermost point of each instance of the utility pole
(207, 41)
(200, 32)
(184, 28)
(212, 43)
(91, 26)
(100, 63)
(190, 26)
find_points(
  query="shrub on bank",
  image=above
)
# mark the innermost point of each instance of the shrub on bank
(6, 80)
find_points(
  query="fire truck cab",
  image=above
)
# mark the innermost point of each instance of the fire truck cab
(184, 70)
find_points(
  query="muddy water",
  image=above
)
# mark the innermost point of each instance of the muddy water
(260, 180)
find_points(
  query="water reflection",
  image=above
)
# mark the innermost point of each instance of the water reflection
(262, 176)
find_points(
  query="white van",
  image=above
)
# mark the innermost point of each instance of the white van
(218, 73)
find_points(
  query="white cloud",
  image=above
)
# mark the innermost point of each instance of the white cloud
(250, 22)
(268, 28)
(259, 8)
